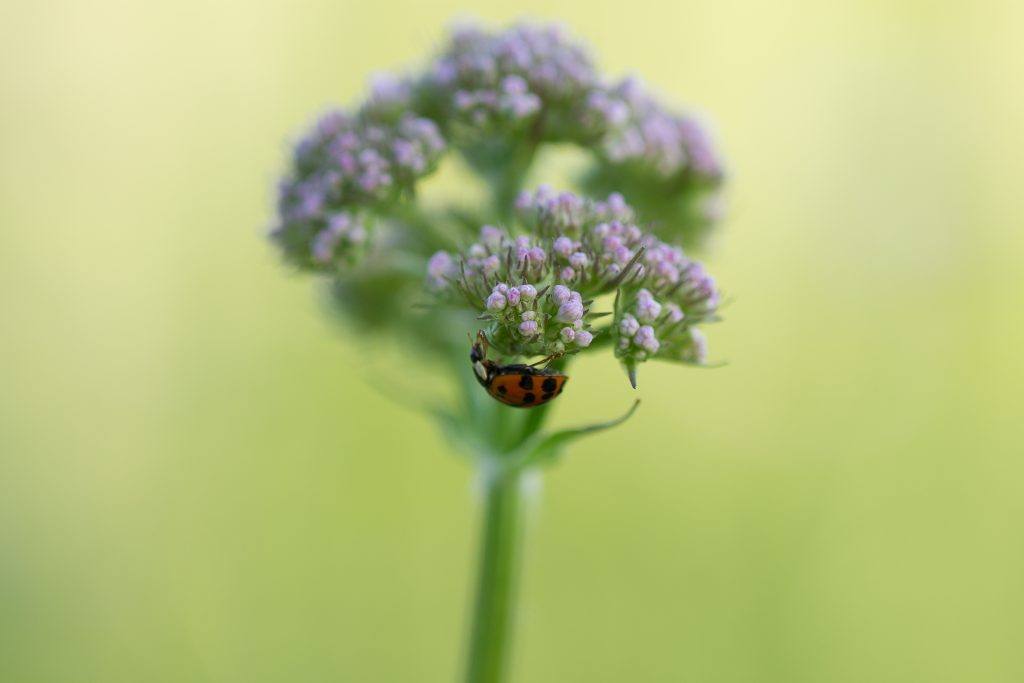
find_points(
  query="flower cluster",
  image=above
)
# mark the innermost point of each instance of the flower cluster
(552, 319)
(508, 79)
(533, 77)
(348, 162)
(647, 327)
(537, 289)
(636, 129)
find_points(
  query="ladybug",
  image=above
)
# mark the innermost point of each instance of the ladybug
(519, 386)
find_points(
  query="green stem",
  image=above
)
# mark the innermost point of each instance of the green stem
(494, 608)
(507, 181)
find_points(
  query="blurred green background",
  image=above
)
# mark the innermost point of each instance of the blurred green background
(196, 486)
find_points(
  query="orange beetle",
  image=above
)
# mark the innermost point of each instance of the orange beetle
(519, 386)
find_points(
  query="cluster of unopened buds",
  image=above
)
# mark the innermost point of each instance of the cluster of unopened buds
(538, 288)
(534, 73)
(552, 318)
(347, 164)
(649, 327)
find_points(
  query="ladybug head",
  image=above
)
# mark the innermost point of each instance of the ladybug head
(478, 357)
(478, 352)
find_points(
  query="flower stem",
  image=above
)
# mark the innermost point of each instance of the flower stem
(494, 608)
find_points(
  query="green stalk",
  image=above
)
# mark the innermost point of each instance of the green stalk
(494, 607)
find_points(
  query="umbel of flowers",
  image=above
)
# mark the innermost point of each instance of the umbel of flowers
(345, 166)
(537, 289)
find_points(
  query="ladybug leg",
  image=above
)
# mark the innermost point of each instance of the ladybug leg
(488, 343)
(547, 361)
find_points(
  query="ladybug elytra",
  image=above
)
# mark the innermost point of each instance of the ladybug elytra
(519, 386)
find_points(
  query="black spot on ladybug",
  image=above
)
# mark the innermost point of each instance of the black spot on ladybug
(526, 382)
(549, 384)
(502, 389)
(547, 395)
(528, 397)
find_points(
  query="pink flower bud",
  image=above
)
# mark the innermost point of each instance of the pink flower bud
(491, 237)
(440, 267)
(560, 294)
(628, 326)
(569, 311)
(647, 309)
(528, 328)
(491, 264)
(645, 339)
(496, 302)
(563, 246)
(675, 314)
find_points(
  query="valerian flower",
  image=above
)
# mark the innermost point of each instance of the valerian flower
(537, 288)
(530, 274)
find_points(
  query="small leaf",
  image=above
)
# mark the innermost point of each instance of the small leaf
(630, 366)
(548, 447)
